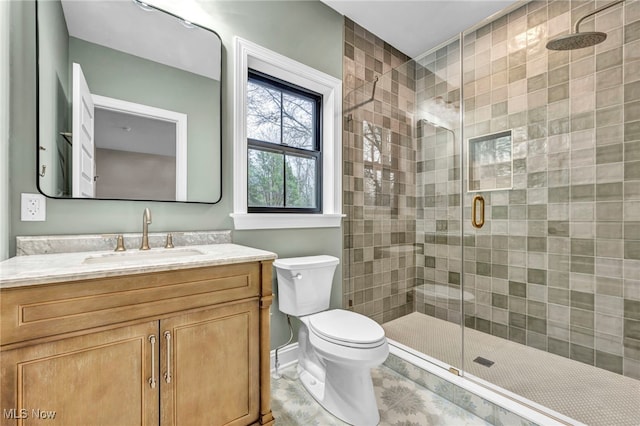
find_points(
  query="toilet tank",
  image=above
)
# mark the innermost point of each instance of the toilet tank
(304, 283)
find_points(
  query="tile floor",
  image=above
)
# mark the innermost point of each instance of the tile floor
(591, 395)
(401, 403)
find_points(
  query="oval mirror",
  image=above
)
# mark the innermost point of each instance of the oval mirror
(128, 103)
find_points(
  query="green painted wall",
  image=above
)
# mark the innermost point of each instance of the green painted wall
(4, 130)
(307, 31)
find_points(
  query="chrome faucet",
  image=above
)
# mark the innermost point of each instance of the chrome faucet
(146, 220)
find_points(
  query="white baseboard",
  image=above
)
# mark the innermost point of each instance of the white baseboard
(286, 356)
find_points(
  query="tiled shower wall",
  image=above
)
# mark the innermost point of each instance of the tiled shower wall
(379, 177)
(438, 225)
(557, 264)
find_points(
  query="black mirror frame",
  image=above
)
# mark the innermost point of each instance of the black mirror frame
(38, 135)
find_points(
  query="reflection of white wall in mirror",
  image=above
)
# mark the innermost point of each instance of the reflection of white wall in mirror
(135, 175)
(145, 144)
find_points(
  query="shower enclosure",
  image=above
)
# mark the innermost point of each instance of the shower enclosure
(492, 194)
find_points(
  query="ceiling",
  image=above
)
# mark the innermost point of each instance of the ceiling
(122, 131)
(158, 37)
(415, 27)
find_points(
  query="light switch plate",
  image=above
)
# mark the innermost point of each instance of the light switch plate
(33, 207)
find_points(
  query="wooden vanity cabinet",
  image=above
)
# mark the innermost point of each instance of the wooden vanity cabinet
(188, 347)
(213, 356)
(97, 378)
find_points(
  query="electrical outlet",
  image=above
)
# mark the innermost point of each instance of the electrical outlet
(33, 207)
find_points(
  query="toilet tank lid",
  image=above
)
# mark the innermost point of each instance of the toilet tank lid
(306, 262)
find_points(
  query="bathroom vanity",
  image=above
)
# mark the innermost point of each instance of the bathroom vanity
(139, 340)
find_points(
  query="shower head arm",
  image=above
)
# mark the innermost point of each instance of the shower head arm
(598, 10)
(437, 126)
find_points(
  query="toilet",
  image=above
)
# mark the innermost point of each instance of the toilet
(337, 348)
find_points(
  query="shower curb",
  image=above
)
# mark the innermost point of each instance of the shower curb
(499, 407)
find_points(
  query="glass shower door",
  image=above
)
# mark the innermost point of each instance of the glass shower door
(550, 155)
(440, 310)
(491, 189)
(402, 198)
(379, 196)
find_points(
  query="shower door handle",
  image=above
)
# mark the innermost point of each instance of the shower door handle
(478, 199)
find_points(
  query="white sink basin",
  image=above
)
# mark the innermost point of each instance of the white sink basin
(141, 256)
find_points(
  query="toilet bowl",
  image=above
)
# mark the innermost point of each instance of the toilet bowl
(345, 389)
(337, 348)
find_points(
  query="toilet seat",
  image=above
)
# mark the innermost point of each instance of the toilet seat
(346, 328)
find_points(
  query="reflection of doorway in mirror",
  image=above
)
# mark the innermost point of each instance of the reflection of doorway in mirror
(140, 151)
(135, 156)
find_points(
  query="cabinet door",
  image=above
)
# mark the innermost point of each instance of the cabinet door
(95, 379)
(212, 357)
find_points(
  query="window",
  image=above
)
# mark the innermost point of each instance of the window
(287, 142)
(284, 146)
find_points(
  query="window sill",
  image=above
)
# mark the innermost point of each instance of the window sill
(243, 221)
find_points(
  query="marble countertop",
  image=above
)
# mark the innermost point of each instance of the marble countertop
(37, 269)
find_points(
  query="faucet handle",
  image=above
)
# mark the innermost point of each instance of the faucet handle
(120, 244)
(169, 243)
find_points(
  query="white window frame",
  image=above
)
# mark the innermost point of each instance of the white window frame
(250, 55)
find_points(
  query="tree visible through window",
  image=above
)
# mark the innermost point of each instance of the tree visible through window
(284, 149)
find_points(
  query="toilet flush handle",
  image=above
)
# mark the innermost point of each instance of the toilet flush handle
(298, 276)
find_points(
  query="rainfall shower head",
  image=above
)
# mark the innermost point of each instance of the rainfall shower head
(578, 40)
